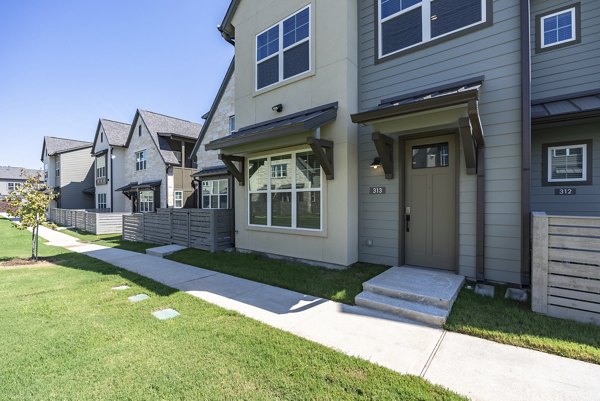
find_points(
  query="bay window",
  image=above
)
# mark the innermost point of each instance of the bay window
(215, 194)
(285, 191)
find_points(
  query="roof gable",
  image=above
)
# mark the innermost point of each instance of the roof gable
(115, 132)
(53, 145)
(215, 106)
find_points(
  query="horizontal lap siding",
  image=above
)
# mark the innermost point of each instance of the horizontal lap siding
(569, 69)
(494, 52)
(587, 200)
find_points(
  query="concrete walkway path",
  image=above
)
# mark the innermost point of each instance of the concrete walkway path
(476, 368)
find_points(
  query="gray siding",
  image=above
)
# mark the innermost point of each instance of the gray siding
(76, 174)
(494, 52)
(569, 69)
(587, 200)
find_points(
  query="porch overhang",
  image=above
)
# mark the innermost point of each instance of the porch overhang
(282, 132)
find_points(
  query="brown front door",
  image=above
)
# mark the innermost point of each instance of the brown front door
(430, 210)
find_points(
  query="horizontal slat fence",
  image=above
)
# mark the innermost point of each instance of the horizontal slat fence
(566, 267)
(209, 230)
(95, 221)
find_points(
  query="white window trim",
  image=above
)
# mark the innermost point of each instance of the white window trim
(145, 160)
(105, 201)
(175, 193)
(425, 23)
(583, 147)
(293, 191)
(57, 168)
(232, 124)
(282, 50)
(560, 42)
(218, 194)
(150, 203)
(105, 168)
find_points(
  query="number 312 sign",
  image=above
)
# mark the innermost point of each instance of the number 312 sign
(565, 191)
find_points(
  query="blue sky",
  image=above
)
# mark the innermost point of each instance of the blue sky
(64, 64)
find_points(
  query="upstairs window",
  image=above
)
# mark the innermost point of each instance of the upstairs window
(140, 160)
(178, 199)
(567, 163)
(283, 50)
(101, 137)
(101, 167)
(231, 124)
(558, 28)
(57, 168)
(404, 24)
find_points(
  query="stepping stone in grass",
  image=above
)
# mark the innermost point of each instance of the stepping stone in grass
(138, 298)
(165, 314)
(121, 288)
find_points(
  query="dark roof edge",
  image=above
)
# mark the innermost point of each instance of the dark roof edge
(226, 28)
(574, 95)
(214, 106)
(558, 118)
(132, 130)
(333, 105)
(469, 81)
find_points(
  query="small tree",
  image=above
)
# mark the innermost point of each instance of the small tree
(29, 202)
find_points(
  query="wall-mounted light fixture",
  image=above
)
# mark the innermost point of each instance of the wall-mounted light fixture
(278, 108)
(376, 163)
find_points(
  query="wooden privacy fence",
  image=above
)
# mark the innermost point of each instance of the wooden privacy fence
(566, 267)
(206, 229)
(93, 221)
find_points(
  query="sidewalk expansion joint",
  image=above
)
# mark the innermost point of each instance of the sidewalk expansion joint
(433, 353)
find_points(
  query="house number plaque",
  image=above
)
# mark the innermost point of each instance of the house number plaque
(565, 191)
(377, 190)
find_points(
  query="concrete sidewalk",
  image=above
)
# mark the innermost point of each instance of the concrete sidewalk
(477, 368)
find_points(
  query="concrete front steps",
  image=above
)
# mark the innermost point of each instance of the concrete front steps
(420, 294)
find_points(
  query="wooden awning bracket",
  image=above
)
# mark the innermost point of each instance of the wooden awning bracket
(469, 147)
(385, 149)
(323, 150)
(238, 173)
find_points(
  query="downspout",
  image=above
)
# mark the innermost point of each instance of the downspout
(473, 111)
(525, 143)
(112, 194)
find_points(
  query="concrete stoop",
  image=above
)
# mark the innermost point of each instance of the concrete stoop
(424, 295)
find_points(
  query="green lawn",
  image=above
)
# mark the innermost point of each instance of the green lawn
(109, 240)
(511, 322)
(16, 244)
(70, 337)
(337, 285)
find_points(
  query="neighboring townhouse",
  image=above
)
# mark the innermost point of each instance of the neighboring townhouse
(109, 170)
(441, 136)
(565, 91)
(69, 170)
(12, 177)
(214, 180)
(158, 163)
(294, 152)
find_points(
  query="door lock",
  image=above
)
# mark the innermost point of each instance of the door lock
(407, 218)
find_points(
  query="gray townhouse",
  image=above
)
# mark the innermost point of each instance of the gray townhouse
(12, 177)
(214, 181)
(157, 163)
(411, 132)
(69, 170)
(109, 166)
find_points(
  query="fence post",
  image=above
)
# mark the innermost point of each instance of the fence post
(539, 263)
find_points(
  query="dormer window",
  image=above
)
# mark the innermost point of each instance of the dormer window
(283, 50)
(231, 124)
(406, 24)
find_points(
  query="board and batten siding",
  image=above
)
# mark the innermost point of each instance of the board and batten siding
(493, 52)
(586, 201)
(76, 174)
(569, 69)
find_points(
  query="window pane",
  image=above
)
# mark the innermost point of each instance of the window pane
(550, 37)
(268, 72)
(567, 164)
(295, 28)
(281, 209)
(450, 15)
(258, 209)
(550, 23)
(223, 187)
(564, 34)
(403, 31)
(223, 202)
(257, 175)
(309, 210)
(267, 43)
(281, 172)
(296, 60)
(426, 156)
(563, 20)
(206, 202)
(308, 171)
(389, 7)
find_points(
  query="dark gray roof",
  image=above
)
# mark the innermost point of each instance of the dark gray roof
(161, 126)
(211, 171)
(116, 132)
(576, 105)
(215, 105)
(303, 121)
(141, 185)
(431, 98)
(17, 173)
(53, 145)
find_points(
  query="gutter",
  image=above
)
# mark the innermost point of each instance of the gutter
(525, 143)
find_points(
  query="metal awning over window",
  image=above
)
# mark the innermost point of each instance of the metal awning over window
(211, 172)
(134, 186)
(89, 191)
(564, 108)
